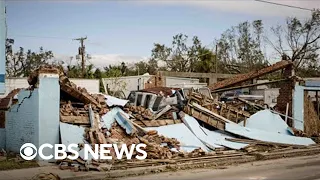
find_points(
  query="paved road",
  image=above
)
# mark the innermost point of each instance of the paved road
(301, 168)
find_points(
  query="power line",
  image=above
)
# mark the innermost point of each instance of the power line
(55, 37)
(285, 5)
(43, 37)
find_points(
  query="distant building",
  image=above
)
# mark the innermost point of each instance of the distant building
(269, 95)
(92, 85)
(126, 84)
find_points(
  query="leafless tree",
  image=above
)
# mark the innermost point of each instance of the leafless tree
(298, 40)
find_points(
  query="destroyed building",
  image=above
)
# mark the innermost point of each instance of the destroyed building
(173, 122)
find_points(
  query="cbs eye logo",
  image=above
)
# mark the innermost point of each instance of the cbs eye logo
(28, 151)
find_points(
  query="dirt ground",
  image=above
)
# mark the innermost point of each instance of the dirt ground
(8, 163)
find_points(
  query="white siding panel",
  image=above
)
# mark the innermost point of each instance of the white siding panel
(171, 81)
(92, 85)
(14, 83)
(270, 95)
(126, 84)
(130, 83)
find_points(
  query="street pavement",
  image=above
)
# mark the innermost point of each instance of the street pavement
(300, 168)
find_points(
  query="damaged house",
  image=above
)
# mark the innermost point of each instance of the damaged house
(174, 123)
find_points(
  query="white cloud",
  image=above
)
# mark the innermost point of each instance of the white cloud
(250, 7)
(114, 59)
(102, 60)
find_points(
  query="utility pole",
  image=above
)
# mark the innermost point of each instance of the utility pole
(216, 59)
(82, 53)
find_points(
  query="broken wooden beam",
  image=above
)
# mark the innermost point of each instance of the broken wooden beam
(250, 141)
(248, 85)
(75, 93)
(206, 116)
(79, 120)
(251, 75)
(164, 110)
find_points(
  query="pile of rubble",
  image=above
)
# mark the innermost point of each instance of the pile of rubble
(102, 119)
(170, 123)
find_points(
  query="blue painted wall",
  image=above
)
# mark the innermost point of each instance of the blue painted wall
(35, 119)
(3, 34)
(22, 121)
(49, 110)
(298, 105)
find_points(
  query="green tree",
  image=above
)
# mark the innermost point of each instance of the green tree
(152, 66)
(123, 69)
(143, 67)
(21, 63)
(181, 57)
(140, 67)
(75, 71)
(113, 71)
(239, 48)
(98, 74)
(9, 52)
(205, 63)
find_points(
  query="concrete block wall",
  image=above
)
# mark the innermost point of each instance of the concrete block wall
(35, 118)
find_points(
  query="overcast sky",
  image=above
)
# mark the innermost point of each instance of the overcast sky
(126, 30)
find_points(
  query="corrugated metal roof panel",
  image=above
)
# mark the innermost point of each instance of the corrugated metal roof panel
(71, 134)
(261, 135)
(210, 138)
(267, 121)
(188, 140)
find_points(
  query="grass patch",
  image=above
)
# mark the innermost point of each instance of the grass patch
(8, 164)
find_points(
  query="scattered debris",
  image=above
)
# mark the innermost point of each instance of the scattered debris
(173, 123)
(46, 176)
(125, 123)
(113, 101)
